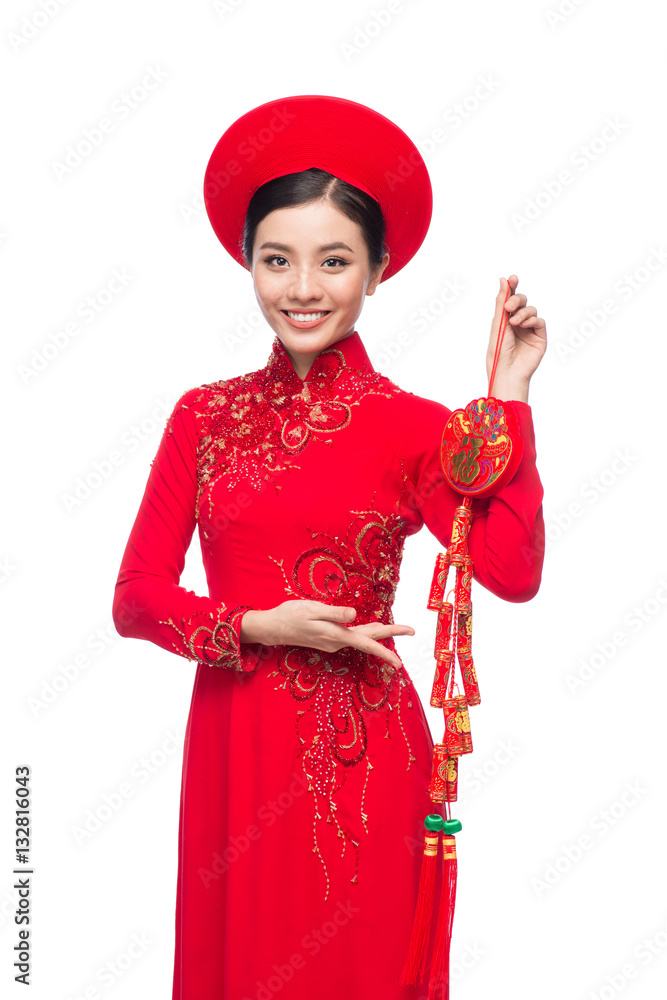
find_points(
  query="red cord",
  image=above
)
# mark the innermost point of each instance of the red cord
(501, 333)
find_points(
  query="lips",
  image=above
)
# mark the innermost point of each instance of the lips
(306, 324)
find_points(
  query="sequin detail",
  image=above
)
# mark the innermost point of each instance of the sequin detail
(361, 571)
(253, 426)
(210, 639)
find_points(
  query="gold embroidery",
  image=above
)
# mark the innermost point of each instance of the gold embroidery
(254, 425)
(362, 571)
(251, 428)
(210, 640)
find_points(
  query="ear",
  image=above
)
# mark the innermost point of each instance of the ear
(377, 274)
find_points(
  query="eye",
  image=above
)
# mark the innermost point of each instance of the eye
(336, 260)
(274, 257)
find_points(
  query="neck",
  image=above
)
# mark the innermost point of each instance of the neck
(302, 363)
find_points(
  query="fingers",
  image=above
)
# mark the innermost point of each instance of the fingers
(512, 281)
(377, 630)
(363, 637)
(373, 648)
(498, 312)
(515, 302)
(366, 636)
(516, 305)
(521, 315)
(335, 613)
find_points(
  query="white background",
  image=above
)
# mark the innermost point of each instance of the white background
(569, 745)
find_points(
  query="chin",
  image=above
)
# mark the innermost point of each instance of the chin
(306, 340)
(315, 339)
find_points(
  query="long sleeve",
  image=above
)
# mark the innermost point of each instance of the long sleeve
(506, 539)
(148, 601)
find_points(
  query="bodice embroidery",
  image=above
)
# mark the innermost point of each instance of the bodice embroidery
(251, 428)
(254, 425)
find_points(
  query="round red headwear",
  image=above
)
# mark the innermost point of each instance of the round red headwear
(347, 139)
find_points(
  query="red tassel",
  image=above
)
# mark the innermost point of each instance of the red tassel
(415, 961)
(438, 986)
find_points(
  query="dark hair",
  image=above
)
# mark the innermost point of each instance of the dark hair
(312, 185)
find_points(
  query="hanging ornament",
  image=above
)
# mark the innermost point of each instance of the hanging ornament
(480, 450)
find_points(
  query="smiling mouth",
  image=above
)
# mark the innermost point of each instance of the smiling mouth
(306, 317)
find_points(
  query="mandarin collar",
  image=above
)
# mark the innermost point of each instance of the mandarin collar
(348, 353)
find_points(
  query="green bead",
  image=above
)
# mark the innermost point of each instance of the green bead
(451, 826)
(433, 822)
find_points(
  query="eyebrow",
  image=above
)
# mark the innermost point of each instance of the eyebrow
(322, 249)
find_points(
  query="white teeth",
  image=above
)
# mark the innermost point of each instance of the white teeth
(306, 317)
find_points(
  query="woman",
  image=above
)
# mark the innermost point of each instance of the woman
(307, 752)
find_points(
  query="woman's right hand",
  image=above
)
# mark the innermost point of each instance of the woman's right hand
(319, 625)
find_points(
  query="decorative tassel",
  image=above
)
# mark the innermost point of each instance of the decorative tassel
(480, 450)
(438, 985)
(416, 957)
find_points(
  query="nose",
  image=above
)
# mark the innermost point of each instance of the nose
(304, 286)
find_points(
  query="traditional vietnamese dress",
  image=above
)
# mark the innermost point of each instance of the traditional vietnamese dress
(305, 773)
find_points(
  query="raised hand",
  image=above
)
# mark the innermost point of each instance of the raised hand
(523, 346)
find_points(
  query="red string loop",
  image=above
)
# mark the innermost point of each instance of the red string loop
(499, 342)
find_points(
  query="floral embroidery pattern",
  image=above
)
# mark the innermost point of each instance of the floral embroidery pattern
(250, 428)
(210, 640)
(362, 571)
(255, 424)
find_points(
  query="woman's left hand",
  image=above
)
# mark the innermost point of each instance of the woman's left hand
(524, 344)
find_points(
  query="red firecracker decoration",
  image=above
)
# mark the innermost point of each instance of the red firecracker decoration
(480, 450)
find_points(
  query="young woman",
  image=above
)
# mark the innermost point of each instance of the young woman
(307, 753)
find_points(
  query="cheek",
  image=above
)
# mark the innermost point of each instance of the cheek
(266, 291)
(351, 291)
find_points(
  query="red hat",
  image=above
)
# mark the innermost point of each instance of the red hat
(347, 139)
